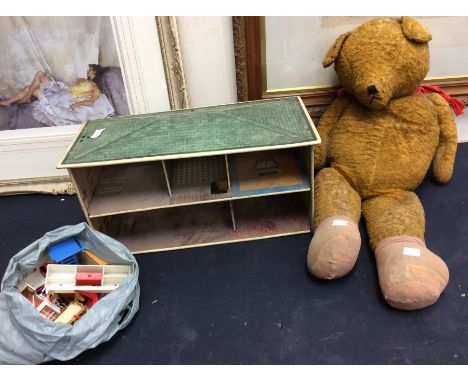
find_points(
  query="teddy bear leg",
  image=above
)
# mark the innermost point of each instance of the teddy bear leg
(410, 275)
(336, 242)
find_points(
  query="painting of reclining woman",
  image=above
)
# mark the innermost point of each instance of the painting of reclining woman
(58, 71)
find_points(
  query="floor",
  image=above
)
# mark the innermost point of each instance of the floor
(255, 303)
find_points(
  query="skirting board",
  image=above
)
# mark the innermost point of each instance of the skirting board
(50, 185)
(29, 161)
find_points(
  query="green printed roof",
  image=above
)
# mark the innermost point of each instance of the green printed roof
(187, 132)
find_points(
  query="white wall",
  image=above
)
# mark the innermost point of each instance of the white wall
(462, 126)
(207, 48)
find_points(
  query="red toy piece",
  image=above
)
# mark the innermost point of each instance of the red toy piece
(91, 298)
(89, 279)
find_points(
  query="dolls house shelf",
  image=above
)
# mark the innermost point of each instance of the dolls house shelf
(197, 177)
(69, 278)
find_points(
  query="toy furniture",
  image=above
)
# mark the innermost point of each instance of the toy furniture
(66, 251)
(86, 298)
(71, 314)
(68, 278)
(89, 258)
(196, 177)
(88, 278)
(49, 310)
(33, 297)
(34, 281)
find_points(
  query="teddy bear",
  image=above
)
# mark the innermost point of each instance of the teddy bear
(378, 142)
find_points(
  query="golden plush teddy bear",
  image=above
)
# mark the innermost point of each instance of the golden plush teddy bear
(378, 142)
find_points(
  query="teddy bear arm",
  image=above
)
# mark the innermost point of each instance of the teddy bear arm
(326, 124)
(444, 157)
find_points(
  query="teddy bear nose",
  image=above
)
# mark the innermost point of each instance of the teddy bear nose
(372, 89)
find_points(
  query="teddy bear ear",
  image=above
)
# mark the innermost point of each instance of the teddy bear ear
(414, 31)
(334, 51)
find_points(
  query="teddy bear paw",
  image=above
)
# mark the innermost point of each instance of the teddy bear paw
(334, 248)
(410, 276)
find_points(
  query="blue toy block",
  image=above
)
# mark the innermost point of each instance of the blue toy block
(66, 251)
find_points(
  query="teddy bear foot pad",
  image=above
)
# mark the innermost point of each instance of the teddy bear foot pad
(334, 248)
(410, 275)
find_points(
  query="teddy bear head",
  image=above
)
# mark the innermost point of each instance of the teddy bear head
(381, 60)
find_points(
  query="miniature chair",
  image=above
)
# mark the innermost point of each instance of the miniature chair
(66, 251)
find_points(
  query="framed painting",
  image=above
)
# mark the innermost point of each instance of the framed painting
(59, 72)
(282, 56)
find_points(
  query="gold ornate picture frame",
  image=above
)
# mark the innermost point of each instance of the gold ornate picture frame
(172, 59)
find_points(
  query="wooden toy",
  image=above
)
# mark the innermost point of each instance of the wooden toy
(89, 258)
(88, 278)
(48, 310)
(35, 280)
(87, 299)
(63, 278)
(71, 313)
(66, 251)
(58, 300)
(22, 286)
(33, 297)
(169, 180)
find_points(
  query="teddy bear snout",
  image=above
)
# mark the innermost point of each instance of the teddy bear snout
(372, 89)
(373, 95)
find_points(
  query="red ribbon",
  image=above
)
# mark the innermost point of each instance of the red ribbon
(457, 105)
(341, 92)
